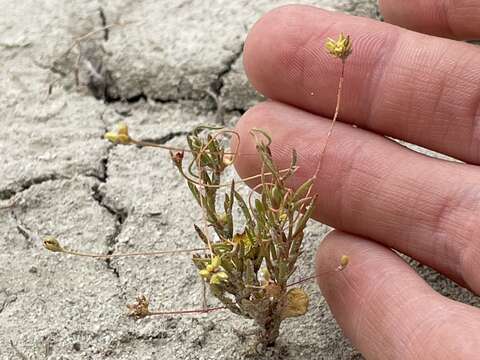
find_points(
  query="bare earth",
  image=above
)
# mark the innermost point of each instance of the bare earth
(154, 73)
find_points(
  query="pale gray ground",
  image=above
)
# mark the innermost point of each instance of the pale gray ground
(68, 182)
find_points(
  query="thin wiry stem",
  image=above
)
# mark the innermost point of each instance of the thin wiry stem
(229, 184)
(335, 116)
(330, 130)
(174, 148)
(301, 281)
(204, 216)
(204, 149)
(153, 253)
(161, 146)
(183, 312)
(93, 32)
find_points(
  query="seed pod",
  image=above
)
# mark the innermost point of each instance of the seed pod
(52, 244)
(344, 260)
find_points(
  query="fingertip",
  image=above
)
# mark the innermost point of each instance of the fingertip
(273, 42)
(327, 253)
(246, 163)
(266, 116)
(250, 119)
(371, 297)
(423, 16)
(338, 244)
(452, 19)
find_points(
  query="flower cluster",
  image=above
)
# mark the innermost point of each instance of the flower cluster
(213, 273)
(340, 48)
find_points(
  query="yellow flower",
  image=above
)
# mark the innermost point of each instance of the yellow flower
(214, 264)
(121, 136)
(217, 278)
(122, 128)
(211, 268)
(110, 136)
(204, 273)
(340, 48)
(244, 239)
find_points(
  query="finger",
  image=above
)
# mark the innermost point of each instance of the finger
(371, 186)
(457, 19)
(410, 86)
(387, 310)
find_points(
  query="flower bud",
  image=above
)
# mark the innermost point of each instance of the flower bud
(110, 136)
(216, 262)
(177, 157)
(217, 278)
(204, 273)
(52, 244)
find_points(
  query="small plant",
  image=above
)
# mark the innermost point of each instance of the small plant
(246, 262)
(248, 270)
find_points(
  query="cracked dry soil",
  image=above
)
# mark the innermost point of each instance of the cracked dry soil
(175, 66)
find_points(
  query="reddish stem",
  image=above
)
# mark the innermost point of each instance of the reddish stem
(193, 311)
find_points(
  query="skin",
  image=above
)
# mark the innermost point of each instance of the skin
(377, 194)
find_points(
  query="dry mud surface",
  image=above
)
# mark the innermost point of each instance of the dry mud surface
(67, 181)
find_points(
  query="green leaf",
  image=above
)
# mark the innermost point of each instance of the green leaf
(277, 197)
(194, 191)
(259, 207)
(302, 190)
(200, 233)
(243, 207)
(305, 217)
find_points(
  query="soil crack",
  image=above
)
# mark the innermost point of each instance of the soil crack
(218, 83)
(119, 217)
(10, 193)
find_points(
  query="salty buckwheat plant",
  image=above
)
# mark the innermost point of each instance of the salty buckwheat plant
(246, 261)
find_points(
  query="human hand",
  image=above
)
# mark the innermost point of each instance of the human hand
(415, 87)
